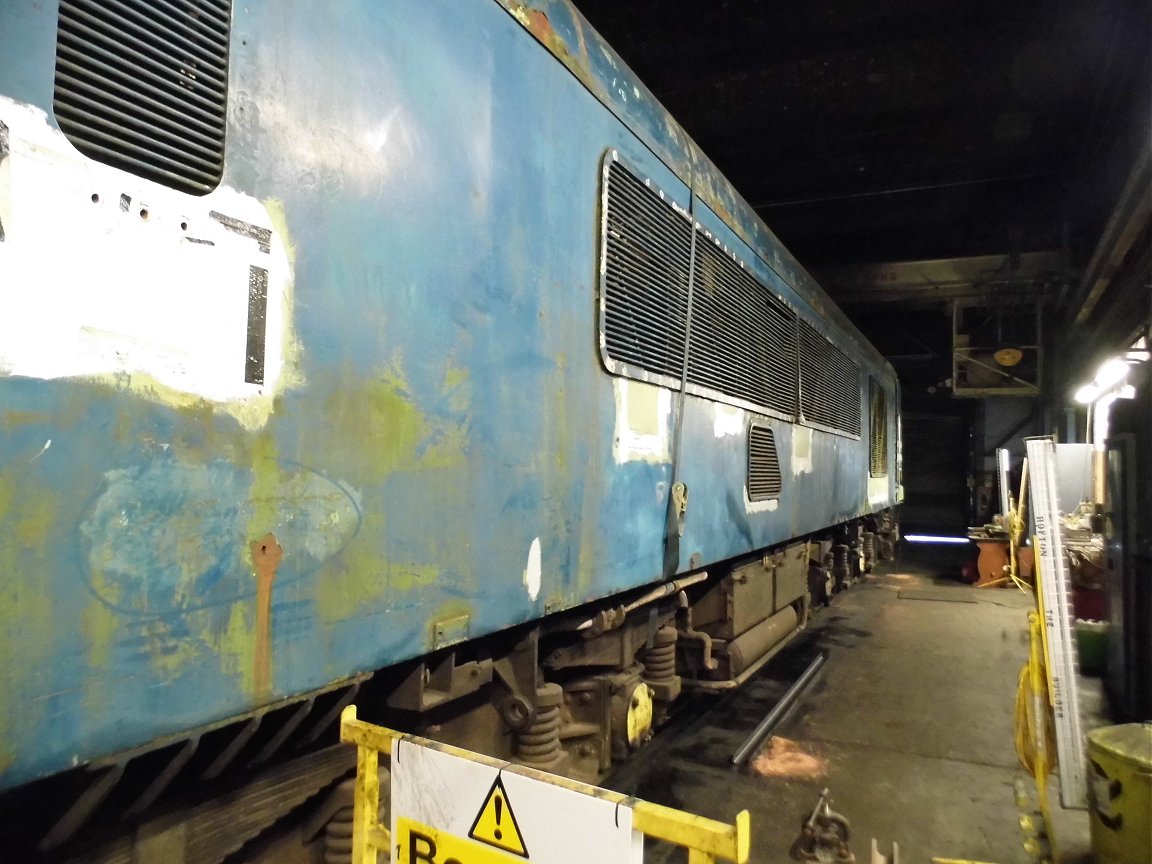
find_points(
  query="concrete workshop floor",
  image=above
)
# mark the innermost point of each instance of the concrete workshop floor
(909, 724)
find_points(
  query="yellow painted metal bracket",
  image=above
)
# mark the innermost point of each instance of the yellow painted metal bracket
(706, 840)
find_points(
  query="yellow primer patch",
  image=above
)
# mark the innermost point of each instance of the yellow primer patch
(100, 625)
(380, 431)
(16, 419)
(458, 388)
(267, 477)
(236, 646)
(356, 581)
(407, 577)
(26, 624)
(379, 422)
(386, 433)
(292, 373)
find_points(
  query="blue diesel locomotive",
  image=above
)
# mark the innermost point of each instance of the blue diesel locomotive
(402, 352)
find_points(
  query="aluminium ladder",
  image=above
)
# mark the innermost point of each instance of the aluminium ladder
(1055, 592)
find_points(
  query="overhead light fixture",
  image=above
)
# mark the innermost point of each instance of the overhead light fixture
(1106, 388)
(1111, 373)
(1087, 394)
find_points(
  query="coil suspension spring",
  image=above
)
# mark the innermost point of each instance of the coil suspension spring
(840, 556)
(338, 837)
(660, 660)
(539, 744)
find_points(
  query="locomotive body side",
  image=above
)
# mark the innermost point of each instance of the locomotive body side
(347, 407)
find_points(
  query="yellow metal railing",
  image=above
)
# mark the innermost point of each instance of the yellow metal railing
(706, 840)
(1034, 735)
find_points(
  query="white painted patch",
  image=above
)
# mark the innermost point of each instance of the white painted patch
(801, 450)
(533, 570)
(642, 422)
(877, 490)
(727, 420)
(768, 506)
(151, 295)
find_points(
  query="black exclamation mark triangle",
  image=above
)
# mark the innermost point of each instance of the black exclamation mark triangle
(496, 824)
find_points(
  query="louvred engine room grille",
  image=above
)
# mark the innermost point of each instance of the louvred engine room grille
(142, 85)
(646, 262)
(743, 340)
(747, 345)
(878, 433)
(763, 465)
(829, 383)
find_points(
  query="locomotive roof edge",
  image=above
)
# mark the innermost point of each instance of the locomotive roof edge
(564, 32)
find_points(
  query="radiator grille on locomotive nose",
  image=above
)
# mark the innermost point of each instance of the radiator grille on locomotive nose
(829, 383)
(743, 339)
(763, 465)
(878, 431)
(142, 85)
(646, 249)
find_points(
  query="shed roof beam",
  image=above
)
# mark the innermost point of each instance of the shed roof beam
(1128, 220)
(1005, 278)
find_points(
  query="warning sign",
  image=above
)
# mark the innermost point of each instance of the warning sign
(496, 823)
(447, 809)
(414, 843)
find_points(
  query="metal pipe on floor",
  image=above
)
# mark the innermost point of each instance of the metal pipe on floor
(773, 717)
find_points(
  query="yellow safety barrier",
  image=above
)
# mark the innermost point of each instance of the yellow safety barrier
(1034, 734)
(706, 840)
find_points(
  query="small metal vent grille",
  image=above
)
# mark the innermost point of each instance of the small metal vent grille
(878, 433)
(743, 340)
(646, 262)
(763, 465)
(829, 383)
(142, 85)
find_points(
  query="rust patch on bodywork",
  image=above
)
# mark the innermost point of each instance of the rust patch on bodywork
(536, 22)
(266, 557)
(539, 26)
(617, 88)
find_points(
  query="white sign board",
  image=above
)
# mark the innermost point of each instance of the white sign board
(450, 810)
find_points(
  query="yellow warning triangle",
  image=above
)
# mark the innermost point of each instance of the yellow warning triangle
(496, 823)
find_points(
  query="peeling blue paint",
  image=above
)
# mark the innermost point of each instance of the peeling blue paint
(440, 186)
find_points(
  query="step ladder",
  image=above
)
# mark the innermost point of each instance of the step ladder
(1054, 589)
